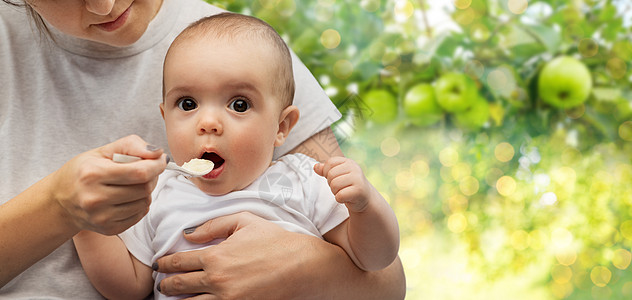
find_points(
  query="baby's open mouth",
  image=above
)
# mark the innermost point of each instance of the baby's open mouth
(216, 159)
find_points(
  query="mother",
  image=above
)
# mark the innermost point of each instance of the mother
(78, 74)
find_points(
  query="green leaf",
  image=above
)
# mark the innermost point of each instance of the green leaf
(524, 52)
(547, 36)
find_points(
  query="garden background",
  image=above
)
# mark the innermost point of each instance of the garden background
(511, 193)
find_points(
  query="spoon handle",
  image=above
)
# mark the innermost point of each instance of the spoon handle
(123, 158)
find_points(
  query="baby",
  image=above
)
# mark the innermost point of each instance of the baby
(228, 87)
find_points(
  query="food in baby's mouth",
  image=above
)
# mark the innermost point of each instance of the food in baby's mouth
(199, 165)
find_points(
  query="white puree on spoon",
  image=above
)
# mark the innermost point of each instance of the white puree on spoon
(199, 165)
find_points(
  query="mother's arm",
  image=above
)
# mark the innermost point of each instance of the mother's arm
(88, 192)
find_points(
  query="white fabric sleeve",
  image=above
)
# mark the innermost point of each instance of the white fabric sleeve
(138, 241)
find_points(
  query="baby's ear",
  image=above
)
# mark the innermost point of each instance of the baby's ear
(162, 110)
(287, 120)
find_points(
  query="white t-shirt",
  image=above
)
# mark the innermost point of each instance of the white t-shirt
(289, 193)
(63, 98)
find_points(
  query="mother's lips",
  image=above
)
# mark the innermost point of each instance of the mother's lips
(116, 24)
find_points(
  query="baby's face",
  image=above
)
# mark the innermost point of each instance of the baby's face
(219, 105)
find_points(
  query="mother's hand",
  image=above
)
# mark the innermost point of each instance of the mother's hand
(104, 196)
(234, 269)
(260, 260)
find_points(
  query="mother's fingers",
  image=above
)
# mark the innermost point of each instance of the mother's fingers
(141, 171)
(131, 145)
(121, 194)
(181, 262)
(204, 297)
(185, 283)
(221, 227)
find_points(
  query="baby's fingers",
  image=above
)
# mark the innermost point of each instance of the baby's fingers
(319, 168)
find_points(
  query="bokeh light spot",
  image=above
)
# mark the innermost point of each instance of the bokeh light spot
(405, 180)
(469, 185)
(600, 276)
(465, 17)
(457, 223)
(617, 67)
(286, 8)
(520, 240)
(564, 176)
(461, 170)
(343, 69)
(480, 32)
(621, 259)
(561, 238)
(390, 146)
(626, 229)
(537, 239)
(561, 290)
(625, 131)
(497, 79)
(503, 81)
(571, 156)
(548, 198)
(403, 10)
(370, 5)
(506, 186)
(377, 50)
(448, 157)
(420, 168)
(566, 257)
(462, 4)
(588, 47)
(330, 38)
(324, 12)
(267, 3)
(392, 58)
(504, 152)
(518, 6)
(457, 203)
(474, 68)
(561, 273)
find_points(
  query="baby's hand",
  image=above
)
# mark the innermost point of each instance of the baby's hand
(347, 182)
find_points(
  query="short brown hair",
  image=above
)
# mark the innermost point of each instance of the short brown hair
(233, 26)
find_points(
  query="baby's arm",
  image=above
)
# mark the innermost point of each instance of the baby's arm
(113, 271)
(371, 235)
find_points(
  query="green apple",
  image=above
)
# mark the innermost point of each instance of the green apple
(475, 116)
(420, 105)
(564, 82)
(455, 91)
(383, 106)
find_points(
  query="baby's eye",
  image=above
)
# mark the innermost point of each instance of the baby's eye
(239, 105)
(187, 104)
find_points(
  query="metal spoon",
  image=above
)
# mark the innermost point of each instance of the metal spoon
(123, 158)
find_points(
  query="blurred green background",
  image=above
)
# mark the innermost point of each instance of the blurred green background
(499, 131)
